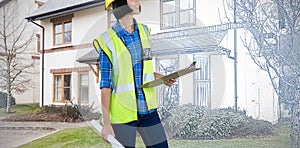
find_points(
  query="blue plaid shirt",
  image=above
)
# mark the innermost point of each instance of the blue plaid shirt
(133, 43)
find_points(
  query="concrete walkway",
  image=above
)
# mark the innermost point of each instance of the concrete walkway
(13, 134)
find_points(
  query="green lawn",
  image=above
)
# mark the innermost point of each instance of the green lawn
(20, 109)
(87, 137)
(69, 138)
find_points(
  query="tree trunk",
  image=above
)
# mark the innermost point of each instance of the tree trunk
(280, 110)
(8, 86)
(8, 103)
(295, 127)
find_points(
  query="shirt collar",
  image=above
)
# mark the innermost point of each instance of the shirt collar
(121, 31)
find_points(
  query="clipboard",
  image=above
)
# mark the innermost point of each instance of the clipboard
(173, 75)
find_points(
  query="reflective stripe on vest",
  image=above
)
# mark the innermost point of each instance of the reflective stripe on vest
(123, 106)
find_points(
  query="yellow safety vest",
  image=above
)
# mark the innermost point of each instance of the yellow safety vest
(123, 105)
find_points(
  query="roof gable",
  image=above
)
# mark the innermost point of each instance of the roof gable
(58, 7)
(4, 2)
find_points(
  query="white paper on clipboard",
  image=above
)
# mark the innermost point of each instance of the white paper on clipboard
(173, 75)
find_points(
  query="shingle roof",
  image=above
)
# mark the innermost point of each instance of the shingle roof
(57, 7)
(3, 2)
(90, 58)
(202, 42)
(193, 40)
(167, 44)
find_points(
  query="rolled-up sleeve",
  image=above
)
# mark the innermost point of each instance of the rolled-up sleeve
(105, 70)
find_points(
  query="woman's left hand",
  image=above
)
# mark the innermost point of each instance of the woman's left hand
(170, 82)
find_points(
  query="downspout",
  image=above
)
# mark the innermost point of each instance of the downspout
(43, 53)
(235, 59)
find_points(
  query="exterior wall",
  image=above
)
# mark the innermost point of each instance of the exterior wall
(186, 85)
(255, 94)
(23, 8)
(86, 25)
(255, 91)
(221, 81)
(207, 12)
(90, 22)
(58, 60)
(150, 15)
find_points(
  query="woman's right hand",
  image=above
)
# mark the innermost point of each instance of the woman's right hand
(107, 130)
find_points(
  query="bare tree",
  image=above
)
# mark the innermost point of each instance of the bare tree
(15, 58)
(273, 40)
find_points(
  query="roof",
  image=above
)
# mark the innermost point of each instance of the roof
(58, 7)
(194, 40)
(4, 2)
(90, 58)
(189, 43)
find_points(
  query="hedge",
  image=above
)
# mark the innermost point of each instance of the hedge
(195, 122)
(3, 100)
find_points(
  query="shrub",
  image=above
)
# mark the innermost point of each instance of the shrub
(3, 100)
(51, 109)
(89, 112)
(73, 112)
(195, 122)
(254, 128)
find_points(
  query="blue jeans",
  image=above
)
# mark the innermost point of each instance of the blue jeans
(149, 127)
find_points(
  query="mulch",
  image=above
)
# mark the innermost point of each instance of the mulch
(40, 117)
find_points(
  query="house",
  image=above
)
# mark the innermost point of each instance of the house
(16, 11)
(183, 31)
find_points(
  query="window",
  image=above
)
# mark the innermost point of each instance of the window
(62, 33)
(178, 13)
(168, 14)
(83, 87)
(187, 12)
(62, 87)
(62, 29)
(202, 81)
(168, 96)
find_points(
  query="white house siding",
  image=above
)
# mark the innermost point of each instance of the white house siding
(86, 25)
(23, 8)
(206, 14)
(255, 94)
(186, 82)
(221, 86)
(150, 15)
